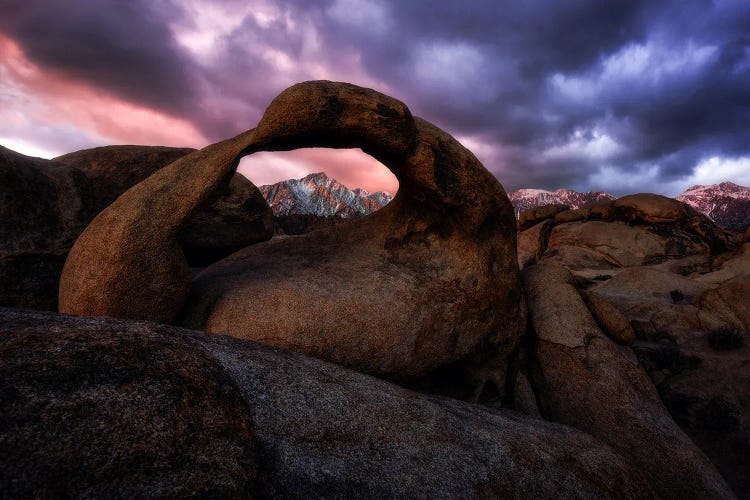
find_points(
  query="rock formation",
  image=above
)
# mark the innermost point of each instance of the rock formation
(417, 286)
(115, 169)
(133, 409)
(653, 273)
(642, 229)
(238, 217)
(45, 205)
(587, 381)
(43, 209)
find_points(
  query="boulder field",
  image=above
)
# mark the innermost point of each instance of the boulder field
(660, 277)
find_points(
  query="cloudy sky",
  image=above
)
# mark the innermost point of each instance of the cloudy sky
(621, 96)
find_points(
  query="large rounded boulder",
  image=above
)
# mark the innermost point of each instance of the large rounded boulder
(428, 281)
(134, 409)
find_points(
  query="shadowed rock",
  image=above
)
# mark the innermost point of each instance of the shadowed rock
(45, 205)
(586, 381)
(694, 343)
(239, 217)
(133, 409)
(42, 210)
(418, 285)
(538, 214)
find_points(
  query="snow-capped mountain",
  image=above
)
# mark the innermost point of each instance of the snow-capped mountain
(524, 199)
(318, 194)
(727, 204)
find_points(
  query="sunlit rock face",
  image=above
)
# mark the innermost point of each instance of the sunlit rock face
(428, 281)
(641, 229)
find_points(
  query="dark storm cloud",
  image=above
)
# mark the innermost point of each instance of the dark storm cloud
(124, 47)
(549, 93)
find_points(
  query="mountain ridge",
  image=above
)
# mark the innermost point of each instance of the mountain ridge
(726, 203)
(318, 194)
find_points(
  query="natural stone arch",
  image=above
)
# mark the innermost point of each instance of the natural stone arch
(445, 246)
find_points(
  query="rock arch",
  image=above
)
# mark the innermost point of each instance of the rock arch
(425, 282)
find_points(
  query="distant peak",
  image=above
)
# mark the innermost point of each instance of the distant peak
(316, 175)
(723, 186)
(319, 194)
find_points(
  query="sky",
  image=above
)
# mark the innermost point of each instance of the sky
(619, 96)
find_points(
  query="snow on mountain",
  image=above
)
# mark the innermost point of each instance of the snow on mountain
(727, 204)
(318, 194)
(524, 199)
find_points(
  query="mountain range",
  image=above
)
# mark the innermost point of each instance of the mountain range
(727, 204)
(524, 199)
(318, 194)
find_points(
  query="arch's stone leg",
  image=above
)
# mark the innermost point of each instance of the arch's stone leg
(127, 263)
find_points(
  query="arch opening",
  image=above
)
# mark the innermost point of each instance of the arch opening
(320, 182)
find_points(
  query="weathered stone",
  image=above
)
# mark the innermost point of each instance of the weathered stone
(735, 265)
(42, 211)
(637, 230)
(96, 407)
(115, 169)
(657, 303)
(532, 243)
(610, 319)
(538, 214)
(600, 244)
(727, 305)
(128, 262)
(239, 216)
(704, 388)
(572, 215)
(651, 209)
(586, 381)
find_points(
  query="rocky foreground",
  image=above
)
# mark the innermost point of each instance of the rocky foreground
(435, 348)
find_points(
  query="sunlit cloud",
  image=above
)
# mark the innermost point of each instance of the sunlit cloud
(69, 106)
(351, 167)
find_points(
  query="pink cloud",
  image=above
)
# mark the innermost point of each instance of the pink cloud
(46, 97)
(34, 98)
(351, 167)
